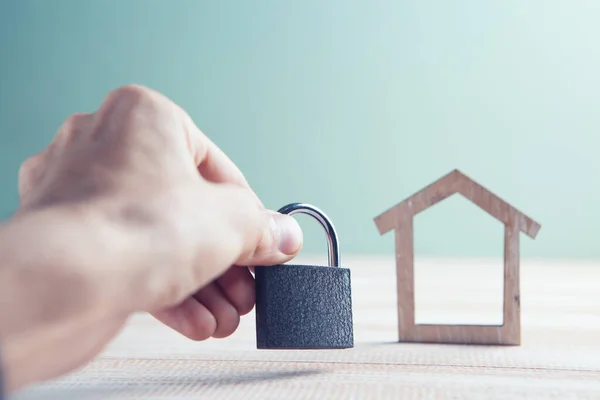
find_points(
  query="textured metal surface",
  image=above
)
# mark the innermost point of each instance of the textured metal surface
(303, 307)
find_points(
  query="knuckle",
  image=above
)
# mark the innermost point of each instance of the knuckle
(72, 125)
(133, 91)
(28, 165)
(202, 332)
(24, 183)
(28, 170)
(260, 233)
(133, 109)
(130, 95)
(266, 236)
(74, 121)
(227, 323)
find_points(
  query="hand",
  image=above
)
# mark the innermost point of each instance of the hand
(164, 222)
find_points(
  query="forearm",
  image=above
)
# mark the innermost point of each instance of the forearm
(50, 265)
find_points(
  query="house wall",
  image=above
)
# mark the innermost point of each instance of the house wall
(348, 105)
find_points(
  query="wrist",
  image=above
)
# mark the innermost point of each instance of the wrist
(52, 281)
(39, 273)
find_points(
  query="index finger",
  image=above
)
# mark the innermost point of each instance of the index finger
(213, 164)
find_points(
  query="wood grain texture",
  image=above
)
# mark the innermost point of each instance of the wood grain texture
(511, 329)
(559, 356)
(452, 183)
(400, 219)
(405, 277)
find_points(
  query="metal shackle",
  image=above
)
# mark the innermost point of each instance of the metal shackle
(332, 239)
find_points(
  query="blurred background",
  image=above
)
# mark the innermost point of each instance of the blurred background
(349, 105)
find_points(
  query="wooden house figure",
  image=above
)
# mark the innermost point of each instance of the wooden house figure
(400, 219)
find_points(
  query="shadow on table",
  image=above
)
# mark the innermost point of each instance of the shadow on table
(153, 385)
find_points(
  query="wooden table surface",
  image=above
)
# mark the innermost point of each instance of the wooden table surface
(559, 357)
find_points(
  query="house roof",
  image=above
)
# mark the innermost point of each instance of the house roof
(452, 183)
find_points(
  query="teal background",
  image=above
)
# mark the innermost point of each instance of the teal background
(349, 105)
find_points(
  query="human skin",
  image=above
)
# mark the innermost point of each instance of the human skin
(129, 209)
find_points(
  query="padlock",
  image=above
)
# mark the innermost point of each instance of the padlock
(305, 306)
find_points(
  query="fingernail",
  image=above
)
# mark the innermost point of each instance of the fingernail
(289, 234)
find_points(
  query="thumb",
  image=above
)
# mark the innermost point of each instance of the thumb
(278, 240)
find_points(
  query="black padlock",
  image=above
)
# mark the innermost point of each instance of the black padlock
(305, 306)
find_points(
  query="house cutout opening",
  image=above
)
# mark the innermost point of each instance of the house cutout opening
(400, 220)
(458, 265)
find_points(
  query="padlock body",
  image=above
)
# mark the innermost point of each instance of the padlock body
(303, 307)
